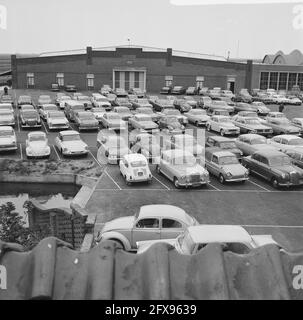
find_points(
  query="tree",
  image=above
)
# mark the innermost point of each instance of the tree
(13, 228)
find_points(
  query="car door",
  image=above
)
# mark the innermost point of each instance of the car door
(210, 142)
(164, 165)
(170, 228)
(215, 125)
(214, 164)
(146, 229)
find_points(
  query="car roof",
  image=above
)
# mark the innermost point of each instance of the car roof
(176, 152)
(251, 135)
(36, 133)
(270, 153)
(287, 136)
(219, 233)
(68, 132)
(219, 153)
(6, 128)
(163, 210)
(135, 157)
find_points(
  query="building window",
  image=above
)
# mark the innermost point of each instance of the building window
(273, 80)
(90, 81)
(264, 80)
(169, 81)
(60, 79)
(199, 82)
(292, 80)
(282, 81)
(30, 80)
(300, 81)
(117, 79)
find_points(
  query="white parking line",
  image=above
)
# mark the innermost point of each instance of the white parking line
(269, 226)
(21, 151)
(112, 180)
(56, 152)
(164, 185)
(256, 184)
(95, 158)
(214, 187)
(43, 124)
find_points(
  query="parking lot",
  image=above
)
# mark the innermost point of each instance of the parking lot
(255, 204)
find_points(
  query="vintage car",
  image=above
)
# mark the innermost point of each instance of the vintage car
(55, 87)
(243, 96)
(7, 98)
(218, 112)
(123, 102)
(60, 101)
(138, 92)
(274, 166)
(7, 118)
(71, 107)
(132, 98)
(174, 112)
(161, 104)
(148, 111)
(120, 93)
(152, 99)
(24, 100)
(282, 126)
(294, 101)
(260, 108)
(45, 108)
(280, 99)
(85, 120)
(298, 122)
(134, 168)
(30, 119)
(286, 142)
(70, 88)
(56, 120)
(166, 90)
(112, 120)
(204, 102)
(224, 165)
(76, 95)
(251, 143)
(151, 222)
(222, 105)
(148, 145)
(7, 107)
(112, 147)
(141, 103)
(296, 156)
(8, 140)
(178, 90)
(106, 89)
(123, 112)
(242, 106)
(275, 115)
(143, 121)
(232, 238)
(44, 99)
(191, 101)
(223, 125)
(214, 94)
(98, 112)
(227, 94)
(182, 105)
(37, 145)
(26, 107)
(86, 101)
(101, 101)
(181, 167)
(191, 91)
(252, 125)
(69, 143)
(203, 91)
(197, 116)
(111, 97)
(171, 125)
(249, 114)
(225, 144)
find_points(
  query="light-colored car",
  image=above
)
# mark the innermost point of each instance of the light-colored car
(171, 125)
(7, 118)
(61, 99)
(204, 102)
(191, 91)
(227, 94)
(232, 238)
(45, 108)
(112, 120)
(71, 107)
(86, 101)
(222, 105)
(286, 142)
(181, 167)
(143, 121)
(275, 115)
(174, 112)
(141, 103)
(44, 99)
(134, 168)
(37, 145)
(252, 125)
(85, 120)
(298, 122)
(151, 222)
(148, 111)
(223, 125)
(197, 116)
(251, 143)
(6, 106)
(278, 99)
(8, 140)
(224, 165)
(282, 126)
(148, 145)
(101, 101)
(24, 100)
(225, 144)
(123, 112)
(69, 143)
(56, 120)
(106, 89)
(260, 108)
(191, 101)
(294, 101)
(98, 112)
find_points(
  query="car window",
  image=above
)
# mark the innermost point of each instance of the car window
(170, 223)
(148, 223)
(210, 141)
(263, 160)
(277, 139)
(236, 247)
(215, 160)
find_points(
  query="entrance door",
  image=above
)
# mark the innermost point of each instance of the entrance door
(231, 86)
(129, 79)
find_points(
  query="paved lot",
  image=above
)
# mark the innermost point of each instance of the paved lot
(255, 204)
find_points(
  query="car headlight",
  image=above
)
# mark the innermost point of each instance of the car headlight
(65, 150)
(284, 176)
(246, 174)
(229, 174)
(86, 148)
(183, 177)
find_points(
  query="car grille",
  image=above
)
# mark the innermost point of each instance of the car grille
(6, 146)
(195, 178)
(31, 123)
(294, 178)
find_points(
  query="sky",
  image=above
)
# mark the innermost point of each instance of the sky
(246, 30)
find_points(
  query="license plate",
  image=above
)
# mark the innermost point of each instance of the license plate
(140, 174)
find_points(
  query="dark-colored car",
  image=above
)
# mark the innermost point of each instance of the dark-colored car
(178, 90)
(161, 104)
(242, 106)
(171, 124)
(182, 105)
(30, 118)
(274, 166)
(55, 87)
(224, 144)
(24, 100)
(252, 125)
(166, 90)
(70, 88)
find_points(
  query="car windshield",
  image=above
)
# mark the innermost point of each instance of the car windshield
(138, 164)
(198, 112)
(227, 145)
(37, 137)
(172, 112)
(252, 121)
(113, 116)
(296, 142)
(144, 119)
(6, 133)
(278, 161)
(224, 120)
(143, 101)
(30, 114)
(122, 110)
(56, 115)
(145, 110)
(260, 140)
(86, 116)
(184, 159)
(228, 160)
(71, 137)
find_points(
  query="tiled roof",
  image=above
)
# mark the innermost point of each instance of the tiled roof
(52, 270)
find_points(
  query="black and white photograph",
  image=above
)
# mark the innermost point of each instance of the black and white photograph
(151, 151)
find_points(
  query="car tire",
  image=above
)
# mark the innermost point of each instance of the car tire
(119, 244)
(221, 179)
(176, 183)
(275, 183)
(222, 133)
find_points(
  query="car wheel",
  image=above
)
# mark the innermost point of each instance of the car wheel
(197, 124)
(275, 183)
(119, 244)
(221, 179)
(222, 133)
(176, 183)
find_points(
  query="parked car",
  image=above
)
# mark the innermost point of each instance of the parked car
(275, 115)
(278, 99)
(111, 97)
(8, 140)
(223, 125)
(282, 126)
(224, 165)
(86, 101)
(214, 94)
(30, 119)
(134, 168)
(294, 101)
(148, 145)
(232, 238)
(98, 112)
(178, 90)
(286, 142)
(297, 122)
(161, 104)
(143, 121)
(181, 167)
(296, 156)
(37, 145)
(112, 120)
(85, 120)
(204, 102)
(243, 96)
(251, 143)
(149, 223)
(56, 120)
(148, 111)
(203, 91)
(120, 93)
(174, 112)
(191, 91)
(227, 94)
(218, 112)
(45, 108)
(252, 125)
(44, 99)
(132, 98)
(71, 107)
(7, 98)
(55, 87)
(197, 117)
(222, 105)
(60, 102)
(260, 108)
(7, 118)
(224, 144)
(25, 107)
(166, 90)
(99, 101)
(138, 92)
(106, 89)
(76, 95)
(152, 99)
(191, 101)
(141, 103)
(242, 106)
(274, 166)
(171, 125)
(69, 143)
(123, 112)
(70, 88)
(22, 100)
(123, 102)
(182, 105)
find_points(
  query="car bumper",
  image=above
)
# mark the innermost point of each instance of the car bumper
(236, 179)
(75, 153)
(8, 148)
(58, 126)
(8, 124)
(88, 128)
(38, 156)
(141, 179)
(31, 126)
(193, 184)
